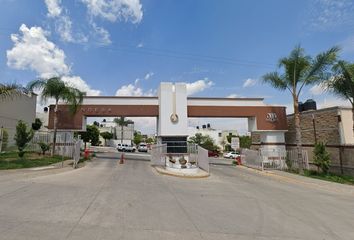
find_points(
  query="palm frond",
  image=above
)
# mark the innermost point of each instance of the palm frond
(275, 80)
(11, 90)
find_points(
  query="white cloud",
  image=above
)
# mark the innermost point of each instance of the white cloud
(317, 89)
(330, 14)
(103, 36)
(54, 8)
(333, 102)
(140, 45)
(33, 51)
(113, 10)
(77, 82)
(64, 29)
(233, 95)
(149, 75)
(133, 90)
(249, 82)
(198, 86)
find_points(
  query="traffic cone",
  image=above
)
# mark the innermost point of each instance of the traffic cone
(121, 161)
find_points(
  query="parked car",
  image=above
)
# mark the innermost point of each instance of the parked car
(213, 154)
(142, 147)
(231, 155)
(129, 148)
(120, 147)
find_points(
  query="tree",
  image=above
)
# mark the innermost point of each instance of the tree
(122, 123)
(90, 135)
(321, 157)
(204, 141)
(9, 90)
(59, 90)
(150, 140)
(245, 141)
(342, 83)
(22, 137)
(37, 124)
(300, 70)
(106, 136)
(44, 147)
(137, 137)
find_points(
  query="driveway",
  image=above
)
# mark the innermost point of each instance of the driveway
(105, 200)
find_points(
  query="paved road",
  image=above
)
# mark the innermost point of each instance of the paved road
(105, 200)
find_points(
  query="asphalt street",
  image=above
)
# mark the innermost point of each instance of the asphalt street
(106, 200)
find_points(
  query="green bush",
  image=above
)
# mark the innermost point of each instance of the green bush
(22, 137)
(321, 157)
(44, 147)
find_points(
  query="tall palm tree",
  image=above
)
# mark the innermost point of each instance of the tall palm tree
(342, 82)
(122, 123)
(300, 70)
(9, 90)
(60, 91)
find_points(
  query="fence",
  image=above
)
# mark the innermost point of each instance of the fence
(293, 161)
(202, 159)
(273, 159)
(76, 153)
(158, 153)
(195, 153)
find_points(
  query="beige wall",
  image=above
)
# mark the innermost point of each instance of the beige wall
(17, 108)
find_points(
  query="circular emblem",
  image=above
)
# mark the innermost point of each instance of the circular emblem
(174, 118)
(272, 117)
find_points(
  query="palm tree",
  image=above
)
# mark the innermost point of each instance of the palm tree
(59, 90)
(342, 83)
(122, 123)
(300, 70)
(9, 90)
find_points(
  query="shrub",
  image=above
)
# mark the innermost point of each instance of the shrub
(44, 147)
(321, 157)
(22, 137)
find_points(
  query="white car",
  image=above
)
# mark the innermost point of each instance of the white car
(142, 147)
(231, 155)
(129, 148)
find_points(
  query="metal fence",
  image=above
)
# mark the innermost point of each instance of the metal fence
(158, 154)
(195, 153)
(273, 159)
(203, 159)
(293, 162)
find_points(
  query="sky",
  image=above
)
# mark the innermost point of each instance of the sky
(220, 48)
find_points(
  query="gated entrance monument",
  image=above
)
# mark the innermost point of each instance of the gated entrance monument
(172, 108)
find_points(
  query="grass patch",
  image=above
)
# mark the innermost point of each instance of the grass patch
(330, 177)
(10, 160)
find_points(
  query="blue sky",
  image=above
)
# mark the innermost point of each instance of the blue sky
(126, 47)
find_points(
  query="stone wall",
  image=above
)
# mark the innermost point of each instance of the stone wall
(327, 131)
(326, 124)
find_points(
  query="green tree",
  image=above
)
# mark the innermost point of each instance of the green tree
(300, 70)
(9, 90)
(137, 137)
(37, 124)
(342, 83)
(122, 122)
(22, 137)
(150, 140)
(106, 136)
(321, 157)
(245, 141)
(90, 135)
(59, 90)
(204, 141)
(44, 147)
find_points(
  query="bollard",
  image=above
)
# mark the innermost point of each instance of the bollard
(86, 153)
(238, 159)
(121, 161)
